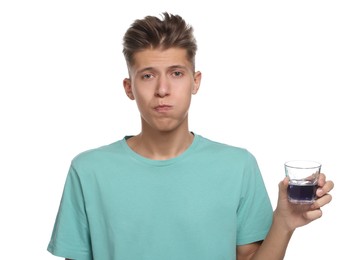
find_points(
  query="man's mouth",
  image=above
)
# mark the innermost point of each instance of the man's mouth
(163, 108)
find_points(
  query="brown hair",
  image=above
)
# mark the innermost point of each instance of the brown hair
(152, 33)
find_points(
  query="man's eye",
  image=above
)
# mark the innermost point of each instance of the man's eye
(177, 74)
(147, 76)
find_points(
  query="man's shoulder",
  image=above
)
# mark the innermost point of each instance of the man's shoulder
(224, 148)
(98, 153)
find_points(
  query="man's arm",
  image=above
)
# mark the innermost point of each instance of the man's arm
(273, 247)
(246, 252)
(286, 218)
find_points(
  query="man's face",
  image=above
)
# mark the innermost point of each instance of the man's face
(162, 83)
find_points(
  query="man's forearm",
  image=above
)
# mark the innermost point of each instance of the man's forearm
(275, 244)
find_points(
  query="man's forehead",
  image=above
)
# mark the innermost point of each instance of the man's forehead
(155, 58)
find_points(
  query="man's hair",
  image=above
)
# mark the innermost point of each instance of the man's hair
(154, 33)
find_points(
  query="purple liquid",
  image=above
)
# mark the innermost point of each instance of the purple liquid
(302, 193)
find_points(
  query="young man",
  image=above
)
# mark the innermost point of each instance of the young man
(168, 193)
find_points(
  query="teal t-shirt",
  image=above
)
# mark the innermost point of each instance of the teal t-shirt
(118, 205)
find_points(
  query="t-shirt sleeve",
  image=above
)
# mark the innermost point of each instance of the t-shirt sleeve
(70, 236)
(255, 212)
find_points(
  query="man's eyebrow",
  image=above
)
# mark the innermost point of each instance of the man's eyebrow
(177, 67)
(169, 68)
(145, 69)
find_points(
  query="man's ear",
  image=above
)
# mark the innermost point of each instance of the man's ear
(196, 82)
(128, 89)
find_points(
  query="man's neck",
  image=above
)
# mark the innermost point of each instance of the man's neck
(161, 145)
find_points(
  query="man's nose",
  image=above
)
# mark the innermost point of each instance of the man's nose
(162, 88)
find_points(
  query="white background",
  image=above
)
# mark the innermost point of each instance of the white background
(280, 78)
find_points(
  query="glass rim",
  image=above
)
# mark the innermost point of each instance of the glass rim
(302, 164)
